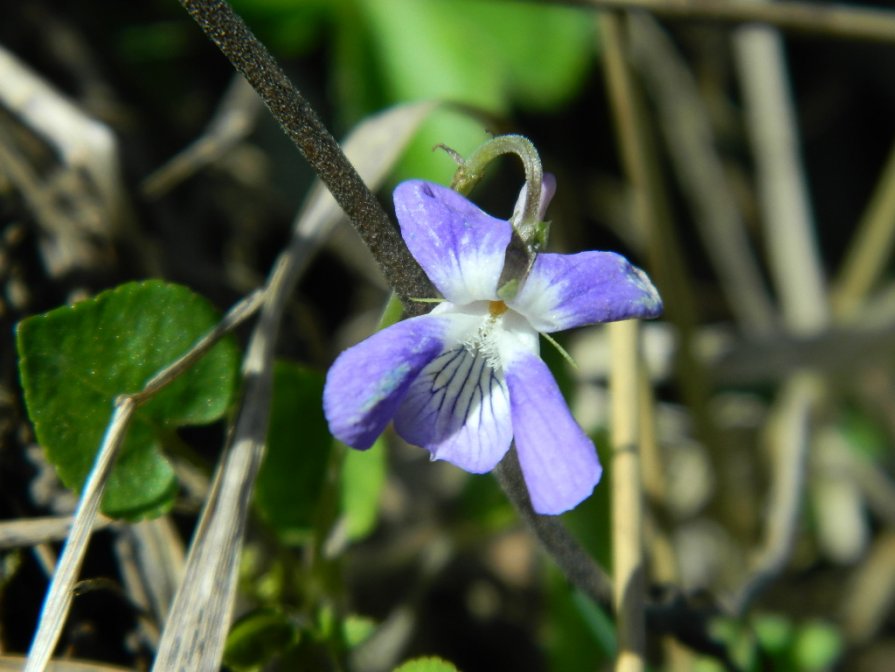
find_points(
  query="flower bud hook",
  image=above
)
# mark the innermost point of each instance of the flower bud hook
(529, 228)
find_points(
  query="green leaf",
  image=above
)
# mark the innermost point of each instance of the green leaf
(739, 640)
(75, 360)
(289, 27)
(817, 646)
(774, 632)
(486, 54)
(257, 637)
(291, 478)
(483, 502)
(864, 435)
(457, 130)
(542, 52)
(428, 664)
(590, 521)
(363, 477)
(575, 628)
(435, 49)
(357, 629)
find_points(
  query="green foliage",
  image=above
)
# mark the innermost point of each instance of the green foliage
(774, 632)
(75, 360)
(291, 482)
(291, 478)
(817, 646)
(10, 563)
(263, 576)
(357, 629)
(739, 639)
(599, 623)
(773, 641)
(864, 435)
(577, 629)
(428, 664)
(288, 26)
(485, 503)
(257, 637)
(488, 54)
(591, 521)
(362, 480)
(144, 43)
(483, 53)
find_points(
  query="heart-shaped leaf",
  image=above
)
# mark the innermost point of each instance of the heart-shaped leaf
(428, 664)
(75, 360)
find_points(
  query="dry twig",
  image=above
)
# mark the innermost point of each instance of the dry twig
(827, 20)
(796, 271)
(194, 634)
(60, 593)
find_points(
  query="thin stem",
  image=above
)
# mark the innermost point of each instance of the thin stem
(200, 618)
(574, 562)
(699, 169)
(33, 531)
(59, 594)
(870, 252)
(209, 580)
(234, 119)
(221, 24)
(238, 314)
(827, 20)
(789, 437)
(673, 614)
(205, 598)
(797, 273)
(627, 498)
(667, 260)
(472, 169)
(529, 233)
(782, 188)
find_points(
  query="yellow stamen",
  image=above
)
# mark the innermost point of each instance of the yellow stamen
(497, 308)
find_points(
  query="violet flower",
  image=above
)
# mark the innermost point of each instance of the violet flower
(466, 380)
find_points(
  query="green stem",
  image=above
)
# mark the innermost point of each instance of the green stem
(529, 232)
(471, 170)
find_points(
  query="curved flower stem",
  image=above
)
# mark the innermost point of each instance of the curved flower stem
(574, 562)
(672, 613)
(472, 169)
(529, 232)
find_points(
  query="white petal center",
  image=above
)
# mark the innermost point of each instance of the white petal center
(490, 330)
(458, 408)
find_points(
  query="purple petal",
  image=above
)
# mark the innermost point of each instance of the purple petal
(460, 247)
(367, 382)
(558, 460)
(548, 189)
(458, 409)
(571, 290)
